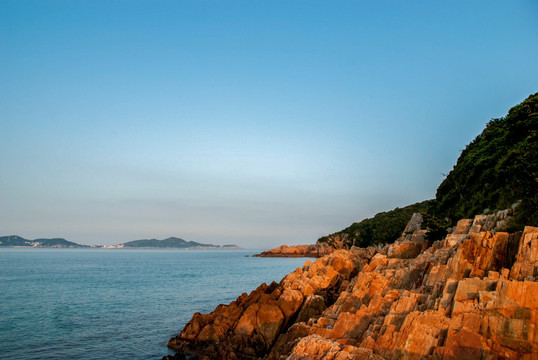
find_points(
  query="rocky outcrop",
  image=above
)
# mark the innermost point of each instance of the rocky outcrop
(249, 326)
(414, 224)
(473, 295)
(314, 346)
(495, 221)
(313, 250)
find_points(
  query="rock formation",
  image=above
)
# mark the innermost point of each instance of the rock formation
(313, 250)
(473, 295)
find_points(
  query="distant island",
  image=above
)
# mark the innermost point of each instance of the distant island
(169, 243)
(173, 242)
(17, 241)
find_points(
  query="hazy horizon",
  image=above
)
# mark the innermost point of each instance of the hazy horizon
(248, 123)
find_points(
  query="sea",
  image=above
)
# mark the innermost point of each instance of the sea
(117, 303)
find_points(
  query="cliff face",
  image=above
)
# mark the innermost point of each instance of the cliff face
(473, 295)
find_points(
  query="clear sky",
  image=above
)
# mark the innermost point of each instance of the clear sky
(249, 122)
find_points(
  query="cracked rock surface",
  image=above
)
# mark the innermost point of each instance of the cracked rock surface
(473, 295)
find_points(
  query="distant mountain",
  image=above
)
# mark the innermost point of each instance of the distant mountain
(230, 247)
(171, 242)
(14, 240)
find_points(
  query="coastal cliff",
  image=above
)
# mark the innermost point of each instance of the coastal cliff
(445, 289)
(472, 295)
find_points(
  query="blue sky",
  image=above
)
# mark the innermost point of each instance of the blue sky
(256, 123)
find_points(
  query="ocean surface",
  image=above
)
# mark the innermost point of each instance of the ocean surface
(117, 303)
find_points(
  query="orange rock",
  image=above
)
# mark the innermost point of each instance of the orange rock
(248, 321)
(269, 319)
(465, 345)
(322, 349)
(526, 265)
(313, 250)
(249, 326)
(463, 226)
(473, 295)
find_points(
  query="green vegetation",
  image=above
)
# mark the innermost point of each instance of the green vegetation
(436, 226)
(171, 242)
(14, 240)
(497, 169)
(384, 227)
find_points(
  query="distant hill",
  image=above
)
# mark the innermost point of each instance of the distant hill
(15, 240)
(171, 242)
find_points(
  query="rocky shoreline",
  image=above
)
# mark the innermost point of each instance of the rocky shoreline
(472, 295)
(313, 250)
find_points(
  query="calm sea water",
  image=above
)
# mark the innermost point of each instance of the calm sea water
(116, 304)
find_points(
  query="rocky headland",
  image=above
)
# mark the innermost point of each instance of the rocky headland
(444, 289)
(312, 250)
(472, 295)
